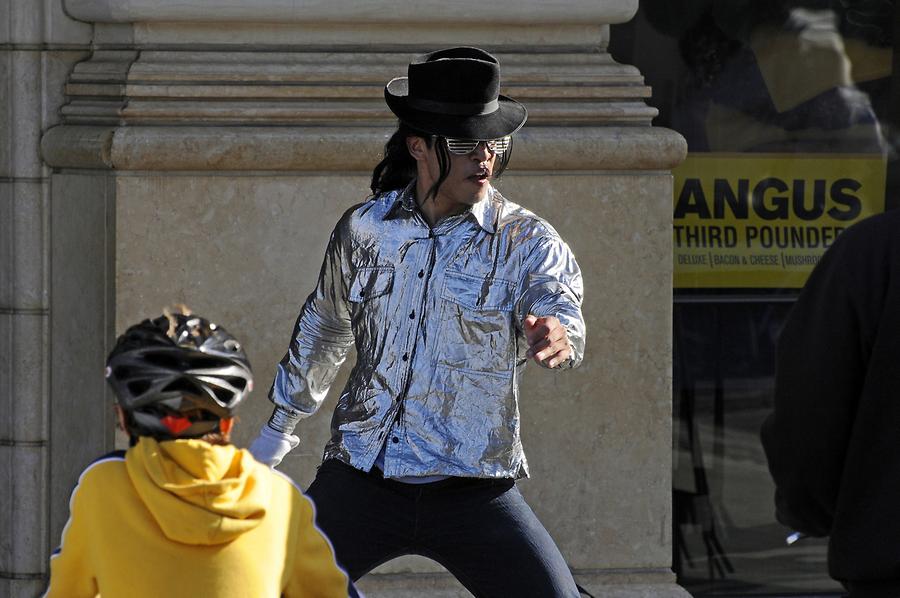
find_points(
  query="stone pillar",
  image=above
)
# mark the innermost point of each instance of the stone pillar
(38, 46)
(225, 141)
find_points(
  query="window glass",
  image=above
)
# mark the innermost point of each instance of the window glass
(725, 537)
(790, 111)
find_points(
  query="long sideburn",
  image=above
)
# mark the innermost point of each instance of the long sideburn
(443, 157)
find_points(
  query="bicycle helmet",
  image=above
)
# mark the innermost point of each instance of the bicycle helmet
(177, 376)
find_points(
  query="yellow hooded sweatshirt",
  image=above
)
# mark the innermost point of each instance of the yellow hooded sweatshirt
(187, 518)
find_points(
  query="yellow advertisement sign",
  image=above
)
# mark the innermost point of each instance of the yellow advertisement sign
(764, 220)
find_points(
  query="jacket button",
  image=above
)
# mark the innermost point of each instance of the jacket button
(421, 273)
(412, 315)
(405, 357)
(395, 440)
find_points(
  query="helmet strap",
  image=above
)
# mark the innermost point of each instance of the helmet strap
(225, 425)
(176, 424)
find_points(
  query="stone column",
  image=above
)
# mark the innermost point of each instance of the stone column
(230, 138)
(38, 46)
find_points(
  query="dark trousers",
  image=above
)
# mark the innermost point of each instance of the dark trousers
(481, 531)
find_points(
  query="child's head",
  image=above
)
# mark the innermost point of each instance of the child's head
(178, 376)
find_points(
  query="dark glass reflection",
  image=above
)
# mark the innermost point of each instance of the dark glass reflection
(754, 78)
(725, 537)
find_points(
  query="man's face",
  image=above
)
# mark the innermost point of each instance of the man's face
(469, 177)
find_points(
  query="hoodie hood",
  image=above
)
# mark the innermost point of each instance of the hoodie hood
(197, 492)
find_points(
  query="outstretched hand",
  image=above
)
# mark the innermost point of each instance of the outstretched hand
(548, 340)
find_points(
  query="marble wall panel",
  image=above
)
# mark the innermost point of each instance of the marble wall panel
(23, 517)
(33, 22)
(56, 66)
(348, 11)
(24, 211)
(82, 294)
(6, 120)
(21, 101)
(598, 437)
(23, 377)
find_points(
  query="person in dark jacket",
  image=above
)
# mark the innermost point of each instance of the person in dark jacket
(833, 440)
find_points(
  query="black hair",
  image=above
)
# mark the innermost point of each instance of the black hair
(398, 168)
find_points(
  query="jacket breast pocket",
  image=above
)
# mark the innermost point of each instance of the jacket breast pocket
(368, 296)
(477, 323)
(371, 282)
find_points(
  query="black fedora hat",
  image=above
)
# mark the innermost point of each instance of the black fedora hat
(455, 93)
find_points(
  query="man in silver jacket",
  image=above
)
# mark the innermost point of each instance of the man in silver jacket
(447, 290)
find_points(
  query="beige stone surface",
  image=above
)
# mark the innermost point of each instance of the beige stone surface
(306, 86)
(6, 17)
(20, 113)
(78, 147)
(322, 149)
(250, 34)
(61, 29)
(20, 22)
(82, 296)
(23, 512)
(56, 66)
(31, 93)
(611, 583)
(245, 250)
(37, 55)
(23, 382)
(22, 587)
(24, 210)
(32, 22)
(432, 581)
(383, 12)
(6, 120)
(598, 437)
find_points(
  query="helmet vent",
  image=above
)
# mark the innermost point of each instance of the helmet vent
(235, 381)
(223, 395)
(138, 387)
(206, 363)
(162, 359)
(182, 386)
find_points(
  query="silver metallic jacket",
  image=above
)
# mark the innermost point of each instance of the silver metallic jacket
(436, 317)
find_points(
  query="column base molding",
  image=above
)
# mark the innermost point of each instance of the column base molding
(605, 583)
(340, 149)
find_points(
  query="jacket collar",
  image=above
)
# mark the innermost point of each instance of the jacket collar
(486, 212)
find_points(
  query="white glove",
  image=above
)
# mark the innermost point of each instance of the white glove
(271, 446)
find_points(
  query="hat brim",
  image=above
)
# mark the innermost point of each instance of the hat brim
(506, 120)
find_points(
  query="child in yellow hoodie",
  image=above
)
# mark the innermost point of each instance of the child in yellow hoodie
(183, 512)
